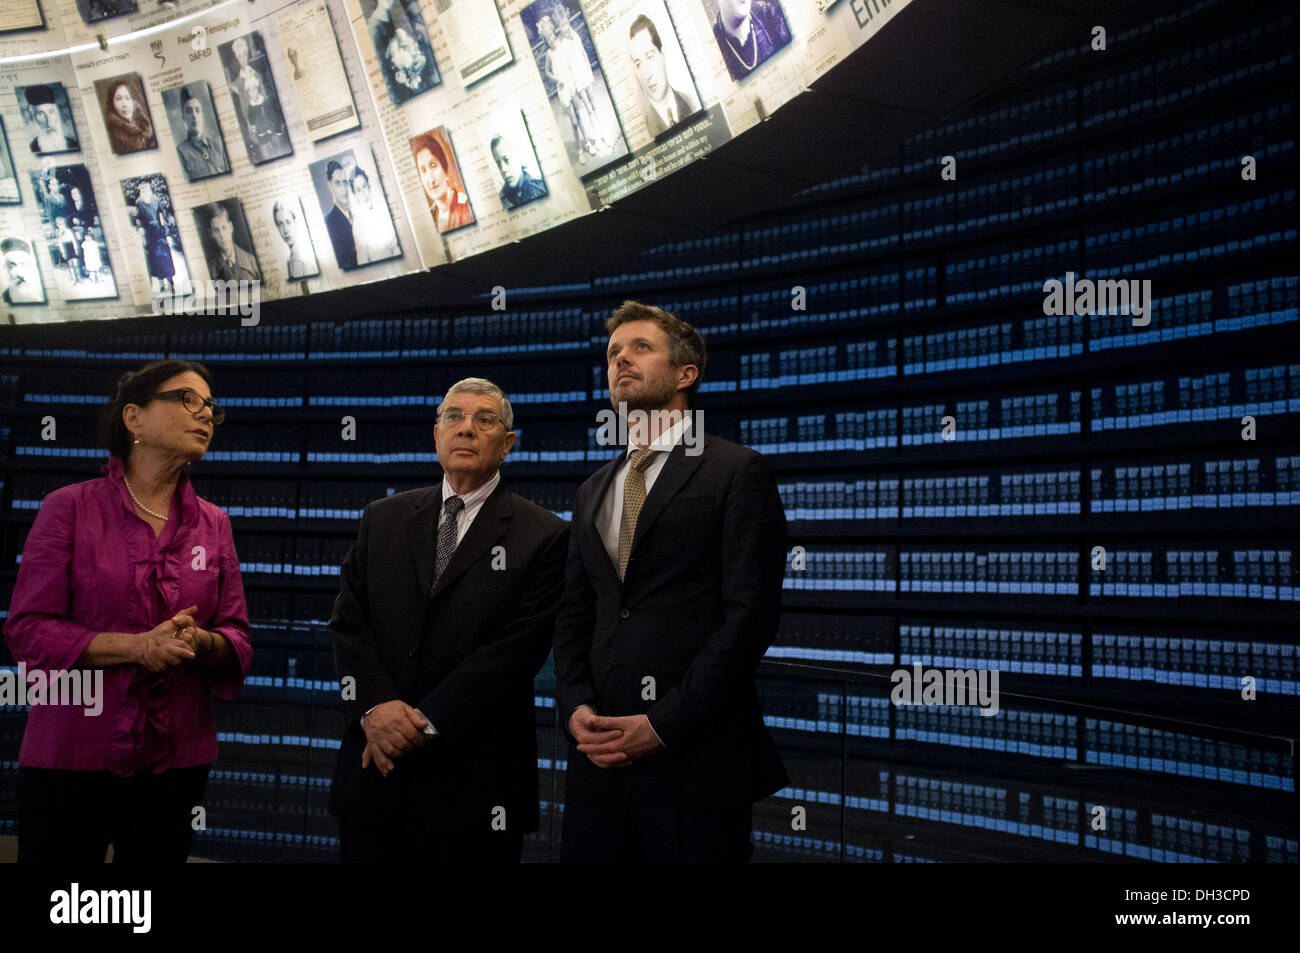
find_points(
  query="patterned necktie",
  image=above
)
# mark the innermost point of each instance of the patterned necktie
(447, 536)
(633, 499)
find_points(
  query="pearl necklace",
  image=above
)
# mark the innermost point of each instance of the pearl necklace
(157, 516)
(736, 51)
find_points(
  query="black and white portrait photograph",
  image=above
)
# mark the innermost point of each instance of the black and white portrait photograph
(402, 47)
(196, 131)
(8, 171)
(517, 173)
(356, 212)
(73, 233)
(665, 91)
(64, 192)
(20, 273)
(747, 32)
(126, 114)
(257, 105)
(153, 219)
(92, 11)
(575, 83)
(296, 253)
(227, 241)
(47, 120)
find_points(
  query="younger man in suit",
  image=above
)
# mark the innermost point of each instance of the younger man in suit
(664, 104)
(445, 613)
(672, 596)
(228, 261)
(338, 221)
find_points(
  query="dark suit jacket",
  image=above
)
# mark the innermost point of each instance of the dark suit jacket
(698, 608)
(245, 268)
(345, 245)
(464, 653)
(656, 126)
(69, 144)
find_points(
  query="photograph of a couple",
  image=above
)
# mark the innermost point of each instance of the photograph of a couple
(356, 212)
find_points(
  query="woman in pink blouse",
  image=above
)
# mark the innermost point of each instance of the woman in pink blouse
(130, 583)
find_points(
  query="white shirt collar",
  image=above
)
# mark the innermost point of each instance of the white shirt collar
(474, 497)
(668, 438)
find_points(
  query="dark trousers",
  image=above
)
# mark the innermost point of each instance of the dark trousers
(381, 842)
(603, 827)
(72, 816)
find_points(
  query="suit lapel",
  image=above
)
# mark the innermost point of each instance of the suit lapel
(677, 470)
(489, 526)
(422, 534)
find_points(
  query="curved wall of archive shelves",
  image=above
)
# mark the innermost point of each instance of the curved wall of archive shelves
(1120, 688)
(321, 145)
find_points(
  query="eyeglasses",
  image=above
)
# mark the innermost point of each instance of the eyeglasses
(484, 420)
(193, 402)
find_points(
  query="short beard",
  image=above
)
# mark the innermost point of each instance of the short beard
(651, 399)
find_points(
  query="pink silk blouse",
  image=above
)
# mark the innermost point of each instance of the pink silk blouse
(91, 565)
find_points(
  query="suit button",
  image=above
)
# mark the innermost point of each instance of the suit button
(411, 654)
(609, 666)
(623, 613)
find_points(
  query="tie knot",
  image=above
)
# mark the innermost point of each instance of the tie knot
(454, 505)
(641, 459)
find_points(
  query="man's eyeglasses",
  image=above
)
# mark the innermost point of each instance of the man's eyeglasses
(193, 403)
(484, 420)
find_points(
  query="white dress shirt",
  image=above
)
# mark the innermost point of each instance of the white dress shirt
(610, 517)
(474, 501)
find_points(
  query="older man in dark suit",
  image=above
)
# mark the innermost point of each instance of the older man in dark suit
(445, 613)
(672, 596)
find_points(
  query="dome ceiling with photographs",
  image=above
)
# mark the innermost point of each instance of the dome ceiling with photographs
(151, 150)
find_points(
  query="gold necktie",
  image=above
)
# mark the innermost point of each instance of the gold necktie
(633, 499)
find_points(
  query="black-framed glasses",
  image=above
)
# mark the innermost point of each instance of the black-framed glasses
(193, 402)
(484, 420)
